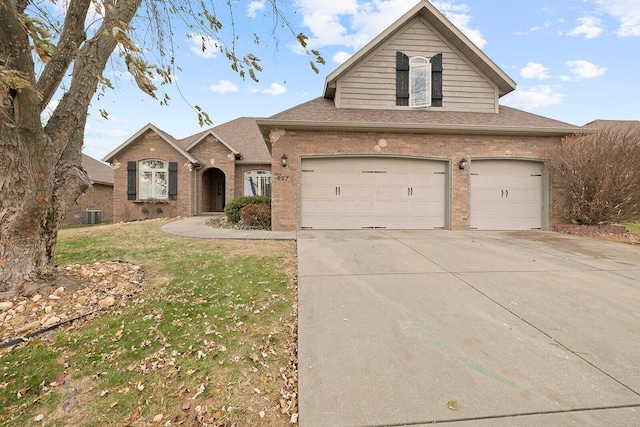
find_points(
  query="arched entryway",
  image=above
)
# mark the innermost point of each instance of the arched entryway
(213, 190)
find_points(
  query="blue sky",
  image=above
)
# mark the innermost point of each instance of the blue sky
(573, 60)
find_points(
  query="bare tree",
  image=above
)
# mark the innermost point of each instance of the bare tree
(40, 163)
(601, 174)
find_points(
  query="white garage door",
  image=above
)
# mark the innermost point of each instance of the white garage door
(506, 195)
(372, 192)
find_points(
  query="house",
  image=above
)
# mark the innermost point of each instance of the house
(409, 134)
(622, 125)
(96, 204)
(157, 175)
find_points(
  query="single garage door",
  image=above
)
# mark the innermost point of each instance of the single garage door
(372, 192)
(506, 195)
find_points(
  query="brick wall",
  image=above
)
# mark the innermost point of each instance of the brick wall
(213, 154)
(297, 144)
(240, 170)
(98, 197)
(151, 146)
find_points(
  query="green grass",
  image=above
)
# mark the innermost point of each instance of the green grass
(635, 228)
(210, 329)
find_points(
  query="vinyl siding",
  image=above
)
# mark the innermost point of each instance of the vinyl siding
(372, 83)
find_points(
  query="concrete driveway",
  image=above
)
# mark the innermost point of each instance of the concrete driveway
(467, 328)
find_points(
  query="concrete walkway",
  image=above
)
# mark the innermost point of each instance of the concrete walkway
(196, 226)
(467, 329)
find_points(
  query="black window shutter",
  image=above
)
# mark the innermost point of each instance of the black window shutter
(131, 180)
(402, 79)
(173, 180)
(436, 80)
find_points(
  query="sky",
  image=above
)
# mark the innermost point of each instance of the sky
(573, 61)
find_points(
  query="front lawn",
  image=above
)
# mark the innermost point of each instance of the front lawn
(210, 339)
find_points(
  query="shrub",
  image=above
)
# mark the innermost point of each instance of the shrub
(256, 216)
(601, 175)
(233, 208)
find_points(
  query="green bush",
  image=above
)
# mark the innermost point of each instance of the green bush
(256, 216)
(233, 208)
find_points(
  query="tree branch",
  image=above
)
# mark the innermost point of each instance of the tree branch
(90, 62)
(70, 40)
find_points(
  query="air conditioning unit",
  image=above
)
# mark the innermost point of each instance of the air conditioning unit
(91, 217)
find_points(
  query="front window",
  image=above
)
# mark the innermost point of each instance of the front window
(420, 82)
(257, 183)
(153, 179)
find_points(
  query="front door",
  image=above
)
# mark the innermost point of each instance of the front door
(213, 190)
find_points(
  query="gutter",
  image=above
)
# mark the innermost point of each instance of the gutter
(266, 125)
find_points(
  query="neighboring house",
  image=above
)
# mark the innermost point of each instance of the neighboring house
(96, 205)
(157, 175)
(409, 134)
(623, 125)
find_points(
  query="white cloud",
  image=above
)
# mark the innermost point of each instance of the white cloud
(107, 133)
(457, 14)
(275, 89)
(589, 27)
(223, 86)
(352, 23)
(537, 96)
(534, 70)
(254, 7)
(627, 12)
(581, 69)
(341, 57)
(536, 28)
(204, 46)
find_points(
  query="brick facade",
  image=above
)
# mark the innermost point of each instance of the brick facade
(451, 148)
(195, 181)
(151, 146)
(98, 197)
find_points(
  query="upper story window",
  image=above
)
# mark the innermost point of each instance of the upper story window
(154, 179)
(420, 82)
(257, 183)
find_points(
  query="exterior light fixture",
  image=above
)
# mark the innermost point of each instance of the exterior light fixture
(463, 163)
(283, 160)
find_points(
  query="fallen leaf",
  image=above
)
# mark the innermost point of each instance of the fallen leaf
(186, 405)
(452, 404)
(158, 418)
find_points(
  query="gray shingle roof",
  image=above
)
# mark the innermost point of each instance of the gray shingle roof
(98, 172)
(620, 124)
(323, 111)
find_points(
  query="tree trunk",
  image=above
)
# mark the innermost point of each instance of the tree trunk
(40, 166)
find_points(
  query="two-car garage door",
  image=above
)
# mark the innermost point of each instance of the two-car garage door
(372, 192)
(406, 193)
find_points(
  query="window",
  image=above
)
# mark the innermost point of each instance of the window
(257, 183)
(420, 82)
(153, 179)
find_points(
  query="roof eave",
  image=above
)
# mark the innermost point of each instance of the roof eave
(216, 136)
(138, 134)
(266, 125)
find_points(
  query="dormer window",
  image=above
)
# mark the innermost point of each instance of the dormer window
(420, 78)
(418, 81)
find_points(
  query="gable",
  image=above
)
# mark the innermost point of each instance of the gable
(372, 82)
(470, 80)
(149, 138)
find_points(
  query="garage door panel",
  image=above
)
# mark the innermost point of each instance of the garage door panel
(373, 192)
(506, 195)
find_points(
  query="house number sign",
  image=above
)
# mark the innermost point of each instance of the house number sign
(280, 177)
